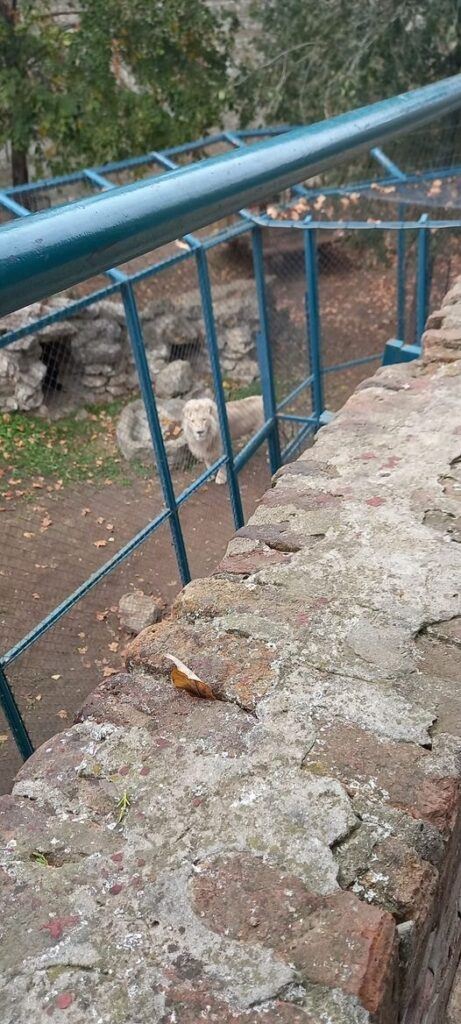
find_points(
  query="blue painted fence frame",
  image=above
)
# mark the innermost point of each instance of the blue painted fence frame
(380, 120)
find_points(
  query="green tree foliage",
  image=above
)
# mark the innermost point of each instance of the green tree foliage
(315, 59)
(130, 76)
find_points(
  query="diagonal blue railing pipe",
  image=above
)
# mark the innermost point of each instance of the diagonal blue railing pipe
(48, 252)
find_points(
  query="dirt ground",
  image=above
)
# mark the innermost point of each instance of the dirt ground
(52, 544)
(53, 677)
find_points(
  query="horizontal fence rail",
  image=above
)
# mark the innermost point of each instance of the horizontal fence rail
(41, 254)
(48, 252)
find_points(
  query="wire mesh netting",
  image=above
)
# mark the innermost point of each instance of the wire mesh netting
(77, 474)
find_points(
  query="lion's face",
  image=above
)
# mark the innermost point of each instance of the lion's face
(200, 418)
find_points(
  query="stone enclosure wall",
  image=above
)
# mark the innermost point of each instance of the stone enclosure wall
(88, 356)
(285, 848)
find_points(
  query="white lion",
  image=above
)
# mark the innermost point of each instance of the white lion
(200, 424)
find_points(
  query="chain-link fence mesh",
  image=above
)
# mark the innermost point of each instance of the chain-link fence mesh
(77, 474)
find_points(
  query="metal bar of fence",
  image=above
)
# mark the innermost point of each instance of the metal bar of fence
(102, 293)
(199, 481)
(252, 445)
(12, 206)
(213, 351)
(294, 418)
(351, 362)
(139, 352)
(365, 186)
(264, 352)
(209, 243)
(422, 290)
(401, 272)
(313, 322)
(42, 184)
(56, 249)
(164, 161)
(98, 180)
(59, 314)
(14, 718)
(388, 164)
(296, 391)
(50, 620)
(295, 443)
(351, 225)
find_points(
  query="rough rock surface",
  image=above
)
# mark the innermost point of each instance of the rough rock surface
(288, 852)
(137, 610)
(175, 379)
(133, 434)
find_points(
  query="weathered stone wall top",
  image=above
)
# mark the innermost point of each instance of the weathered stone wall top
(288, 852)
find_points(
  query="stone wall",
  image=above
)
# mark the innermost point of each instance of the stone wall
(87, 357)
(286, 848)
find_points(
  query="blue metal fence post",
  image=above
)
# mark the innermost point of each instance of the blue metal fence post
(422, 282)
(213, 350)
(264, 353)
(14, 718)
(401, 276)
(313, 321)
(142, 366)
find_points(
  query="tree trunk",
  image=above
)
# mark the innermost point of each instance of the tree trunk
(19, 168)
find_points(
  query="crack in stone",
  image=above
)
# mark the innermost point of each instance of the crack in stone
(292, 993)
(422, 630)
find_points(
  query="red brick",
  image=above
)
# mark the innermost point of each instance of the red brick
(235, 668)
(337, 941)
(394, 772)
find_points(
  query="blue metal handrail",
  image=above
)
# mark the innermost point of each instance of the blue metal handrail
(48, 252)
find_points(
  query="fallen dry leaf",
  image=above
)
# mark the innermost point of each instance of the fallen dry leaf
(57, 676)
(46, 523)
(184, 679)
(100, 520)
(3, 738)
(101, 616)
(85, 511)
(62, 713)
(100, 543)
(28, 535)
(113, 646)
(109, 672)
